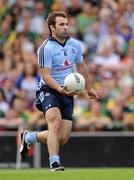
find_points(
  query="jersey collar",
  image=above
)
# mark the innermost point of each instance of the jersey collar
(53, 39)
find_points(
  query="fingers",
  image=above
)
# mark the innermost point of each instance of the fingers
(94, 96)
(97, 96)
(65, 88)
(68, 93)
(72, 93)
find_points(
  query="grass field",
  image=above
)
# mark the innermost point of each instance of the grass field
(68, 174)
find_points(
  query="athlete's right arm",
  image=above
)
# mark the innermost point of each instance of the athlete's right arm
(48, 79)
(45, 57)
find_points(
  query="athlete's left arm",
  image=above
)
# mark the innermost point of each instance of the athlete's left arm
(81, 68)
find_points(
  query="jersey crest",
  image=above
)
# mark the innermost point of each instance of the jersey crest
(66, 62)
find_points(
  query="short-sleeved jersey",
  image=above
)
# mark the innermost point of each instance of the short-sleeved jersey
(60, 58)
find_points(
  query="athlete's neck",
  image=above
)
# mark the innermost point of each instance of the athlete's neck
(60, 40)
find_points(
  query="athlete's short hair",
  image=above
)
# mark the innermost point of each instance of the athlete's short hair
(52, 16)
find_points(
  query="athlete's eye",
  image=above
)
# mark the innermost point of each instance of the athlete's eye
(63, 24)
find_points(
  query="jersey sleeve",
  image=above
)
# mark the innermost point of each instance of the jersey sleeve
(79, 56)
(44, 57)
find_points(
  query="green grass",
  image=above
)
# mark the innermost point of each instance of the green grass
(69, 174)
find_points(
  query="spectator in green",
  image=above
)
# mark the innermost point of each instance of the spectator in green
(85, 18)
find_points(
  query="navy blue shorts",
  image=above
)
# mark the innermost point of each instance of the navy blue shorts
(47, 98)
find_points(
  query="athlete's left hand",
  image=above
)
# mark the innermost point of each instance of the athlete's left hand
(92, 94)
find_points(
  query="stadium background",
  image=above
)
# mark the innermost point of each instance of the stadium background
(105, 30)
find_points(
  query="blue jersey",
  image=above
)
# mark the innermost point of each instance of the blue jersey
(60, 58)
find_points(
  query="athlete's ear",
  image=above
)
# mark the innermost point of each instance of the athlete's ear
(52, 27)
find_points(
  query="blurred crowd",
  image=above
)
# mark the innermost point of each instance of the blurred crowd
(105, 29)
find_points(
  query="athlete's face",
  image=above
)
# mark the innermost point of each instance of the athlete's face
(61, 27)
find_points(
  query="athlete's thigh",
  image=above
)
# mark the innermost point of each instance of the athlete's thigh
(53, 114)
(66, 128)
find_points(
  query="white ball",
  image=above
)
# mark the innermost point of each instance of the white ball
(74, 82)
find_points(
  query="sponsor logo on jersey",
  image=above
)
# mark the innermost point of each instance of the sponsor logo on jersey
(69, 66)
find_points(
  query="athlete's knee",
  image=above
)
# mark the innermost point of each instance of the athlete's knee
(55, 123)
(63, 139)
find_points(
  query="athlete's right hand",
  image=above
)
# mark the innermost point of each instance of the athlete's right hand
(64, 90)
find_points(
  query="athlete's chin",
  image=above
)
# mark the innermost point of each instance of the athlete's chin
(65, 34)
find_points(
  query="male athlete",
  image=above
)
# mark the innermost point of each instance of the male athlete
(56, 58)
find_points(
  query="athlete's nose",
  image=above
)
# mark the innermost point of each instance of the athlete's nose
(65, 26)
